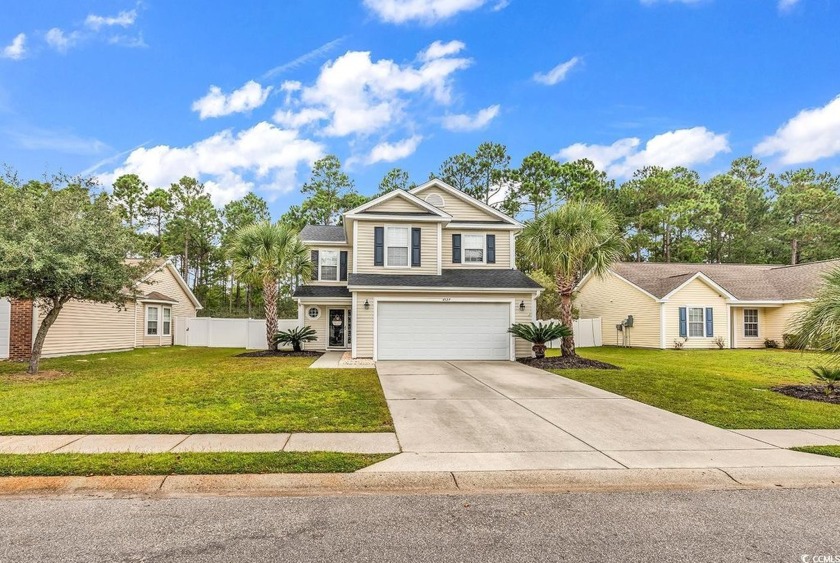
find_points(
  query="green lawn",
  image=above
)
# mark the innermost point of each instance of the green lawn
(189, 390)
(833, 451)
(183, 463)
(727, 388)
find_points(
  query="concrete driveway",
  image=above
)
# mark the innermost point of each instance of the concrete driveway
(486, 416)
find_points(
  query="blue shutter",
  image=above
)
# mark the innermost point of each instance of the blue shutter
(314, 258)
(342, 261)
(683, 322)
(456, 249)
(415, 247)
(710, 322)
(379, 246)
(491, 249)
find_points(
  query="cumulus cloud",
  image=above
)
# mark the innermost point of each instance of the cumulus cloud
(683, 147)
(422, 11)
(390, 152)
(264, 158)
(123, 19)
(558, 73)
(15, 50)
(466, 122)
(354, 95)
(216, 103)
(810, 135)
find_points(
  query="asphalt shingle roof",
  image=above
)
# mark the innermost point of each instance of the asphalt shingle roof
(323, 233)
(158, 296)
(748, 282)
(322, 291)
(461, 277)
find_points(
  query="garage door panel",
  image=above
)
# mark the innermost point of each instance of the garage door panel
(443, 331)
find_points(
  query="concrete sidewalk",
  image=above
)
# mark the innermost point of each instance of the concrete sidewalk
(357, 442)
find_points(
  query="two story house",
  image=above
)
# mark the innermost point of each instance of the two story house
(428, 273)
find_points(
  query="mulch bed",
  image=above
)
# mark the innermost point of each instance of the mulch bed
(809, 393)
(280, 354)
(559, 362)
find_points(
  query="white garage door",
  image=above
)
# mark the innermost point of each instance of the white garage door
(442, 331)
(5, 314)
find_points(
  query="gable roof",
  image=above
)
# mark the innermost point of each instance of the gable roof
(323, 233)
(467, 198)
(744, 282)
(178, 278)
(424, 208)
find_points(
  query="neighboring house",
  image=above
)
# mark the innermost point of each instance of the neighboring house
(82, 326)
(421, 274)
(697, 303)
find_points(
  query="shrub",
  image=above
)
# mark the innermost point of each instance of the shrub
(295, 336)
(720, 342)
(791, 340)
(678, 344)
(829, 376)
(539, 333)
(770, 343)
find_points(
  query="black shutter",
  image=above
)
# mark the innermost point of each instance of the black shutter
(314, 257)
(456, 249)
(379, 246)
(342, 265)
(491, 249)
(415, 247)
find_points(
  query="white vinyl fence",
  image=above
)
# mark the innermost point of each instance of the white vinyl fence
(225, 333)
(587, 333)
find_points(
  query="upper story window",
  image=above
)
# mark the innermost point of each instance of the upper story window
(328, 265)
(750, 323)
(397, 246)
(473, 249)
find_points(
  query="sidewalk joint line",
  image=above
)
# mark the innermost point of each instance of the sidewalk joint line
(179, 443)
(68, 443)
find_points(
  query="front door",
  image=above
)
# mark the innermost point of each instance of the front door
(337, 327)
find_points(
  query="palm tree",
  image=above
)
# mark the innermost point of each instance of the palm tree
(818, 326)
(263, 253)
(567, 243)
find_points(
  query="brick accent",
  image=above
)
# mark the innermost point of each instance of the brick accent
(20, 333)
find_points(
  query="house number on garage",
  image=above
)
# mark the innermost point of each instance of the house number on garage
(446, 299)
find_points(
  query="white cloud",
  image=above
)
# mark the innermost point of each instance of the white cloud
(683, 147)
(263, 157)
(423, 11)
(38, 139)
(15, 50)
(123, 19)
(466, 122)
(389, 152)
(810, 135)
(357, 96)
(61, 41)
(130, 41)
(216, 103)
(787, 5)
(558, 73)
(305, 58)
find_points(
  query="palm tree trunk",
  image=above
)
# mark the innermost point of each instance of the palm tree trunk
(270, 301)
(565, 288)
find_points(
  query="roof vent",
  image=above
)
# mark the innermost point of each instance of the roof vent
(436, 200)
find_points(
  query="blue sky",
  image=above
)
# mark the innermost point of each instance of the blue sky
(245, 95)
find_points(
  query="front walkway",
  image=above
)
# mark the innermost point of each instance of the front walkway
(490, 416)
(359, 443)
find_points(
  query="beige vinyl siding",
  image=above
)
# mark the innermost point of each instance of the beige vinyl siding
(364, 318)
(319, 325)
(502, 249)
(397, 205)
(162, 281)
(338, 249)
(89, 327)
(612, 299)
(738, 338)
(695, 294)
(778, 321)
(428, 249)
(459, 209)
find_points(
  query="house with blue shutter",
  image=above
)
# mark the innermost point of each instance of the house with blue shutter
(428, 273)
(699, 305)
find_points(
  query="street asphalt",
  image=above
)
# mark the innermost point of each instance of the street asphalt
(713, 526)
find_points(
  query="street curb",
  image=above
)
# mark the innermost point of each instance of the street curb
(313, 484)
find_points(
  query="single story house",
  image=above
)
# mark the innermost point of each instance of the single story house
(696, 304)
(428, 273)
(82, 327)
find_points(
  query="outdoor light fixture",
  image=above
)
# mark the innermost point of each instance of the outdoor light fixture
(522, 305)
(367, 304)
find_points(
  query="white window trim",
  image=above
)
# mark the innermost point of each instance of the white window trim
(757, 322)
(163, 321)
(337, 265)
(316, 317)
(385, 246)
(464, 248)
(688, 309)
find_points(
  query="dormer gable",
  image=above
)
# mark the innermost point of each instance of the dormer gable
(396, 204)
